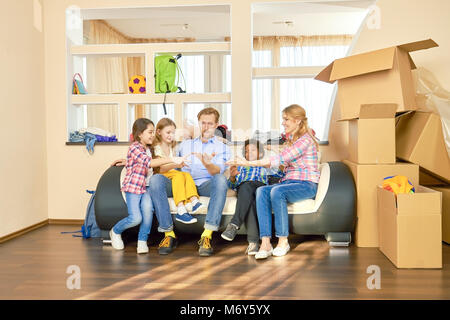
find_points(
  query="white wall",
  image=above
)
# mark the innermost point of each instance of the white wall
(23, 162)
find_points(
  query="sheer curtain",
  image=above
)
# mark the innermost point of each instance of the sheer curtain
(314, 96)
(262, 92)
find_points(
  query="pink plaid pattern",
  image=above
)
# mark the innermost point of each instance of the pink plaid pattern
(137, 165)
(300, 160)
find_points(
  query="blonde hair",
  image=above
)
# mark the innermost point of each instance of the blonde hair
(164, 122)
(298, 113)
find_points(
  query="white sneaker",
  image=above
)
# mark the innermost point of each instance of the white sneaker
(263, 254)
(281, 251)
(116, 240)
(142, 247)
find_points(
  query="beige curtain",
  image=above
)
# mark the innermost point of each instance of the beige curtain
(273, 42)
(108, 75)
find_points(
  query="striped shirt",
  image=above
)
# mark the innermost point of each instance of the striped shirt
(138, 162)
(300, 160)
(252, 174)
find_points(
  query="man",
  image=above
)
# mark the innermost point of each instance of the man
(207, 156)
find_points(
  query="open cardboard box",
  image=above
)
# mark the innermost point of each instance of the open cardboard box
(371, 138)
(410, 227)
(367, 177)
(445, 190)
(419, 139)
(380, 76)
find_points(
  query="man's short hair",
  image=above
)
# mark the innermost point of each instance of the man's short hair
(208, 111)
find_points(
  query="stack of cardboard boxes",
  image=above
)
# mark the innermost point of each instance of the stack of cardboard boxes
(375, 91)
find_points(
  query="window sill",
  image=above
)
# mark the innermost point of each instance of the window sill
(115, 143)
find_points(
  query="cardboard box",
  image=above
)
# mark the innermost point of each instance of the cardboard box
(371, 138)
(410, 228)
(419, 139)
(445, 212)
(426, 179)
(381, 76)
(367, 177)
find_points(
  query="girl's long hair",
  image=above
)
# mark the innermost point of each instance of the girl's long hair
(298, 113)
(164, 122)
(139, 126)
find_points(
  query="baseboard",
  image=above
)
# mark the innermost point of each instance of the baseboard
(76, 222)
(23, 231)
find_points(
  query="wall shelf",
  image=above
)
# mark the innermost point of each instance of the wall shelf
(286, 72)
(81, 99)
(139, 49)
(147, 51)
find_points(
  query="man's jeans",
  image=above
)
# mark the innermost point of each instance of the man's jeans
(276, 197)
(215, 188)
(140, 211)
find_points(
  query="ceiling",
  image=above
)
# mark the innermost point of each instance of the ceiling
(212, 22)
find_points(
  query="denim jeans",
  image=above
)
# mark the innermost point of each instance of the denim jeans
(276, 197)
(215, 188)
(140, 211)
(160, 189)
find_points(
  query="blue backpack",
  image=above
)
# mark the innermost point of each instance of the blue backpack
(89, 228)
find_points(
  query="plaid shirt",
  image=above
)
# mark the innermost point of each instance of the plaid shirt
(138, 162)
(300, 160)
(252, 174)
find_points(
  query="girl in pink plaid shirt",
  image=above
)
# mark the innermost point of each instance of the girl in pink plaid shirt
(301, 176)
(139, 166)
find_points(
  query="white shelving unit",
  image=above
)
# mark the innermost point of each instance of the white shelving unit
(148, 52)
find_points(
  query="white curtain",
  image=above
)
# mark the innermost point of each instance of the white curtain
(314, 96)
(262, 93)
(196, 69)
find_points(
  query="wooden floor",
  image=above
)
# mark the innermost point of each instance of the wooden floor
(34, 266)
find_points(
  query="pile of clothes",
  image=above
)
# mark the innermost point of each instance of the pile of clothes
(90, 136)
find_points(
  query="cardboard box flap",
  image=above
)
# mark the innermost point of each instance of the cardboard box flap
(424, 201)
(374, 111)
(415, 46)
(378, 111)
(363, 63)
(325, 74)
(418, 45)
(385, 199)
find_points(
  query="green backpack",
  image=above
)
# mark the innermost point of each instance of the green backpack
(167, 71)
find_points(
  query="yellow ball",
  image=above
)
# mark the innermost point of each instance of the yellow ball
(137, 84)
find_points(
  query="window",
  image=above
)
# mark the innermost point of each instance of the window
(154, 112)
(192, 109)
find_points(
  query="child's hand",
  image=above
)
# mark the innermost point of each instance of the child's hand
(233, 171)
(237, 162)
(178, 160)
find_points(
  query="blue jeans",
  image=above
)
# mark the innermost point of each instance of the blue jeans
(215, 188)
(140, 211)
(276, 197)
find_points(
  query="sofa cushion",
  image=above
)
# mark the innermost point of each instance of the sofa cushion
(301, 207)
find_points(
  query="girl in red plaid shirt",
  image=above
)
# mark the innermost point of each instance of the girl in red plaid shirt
(138, 167)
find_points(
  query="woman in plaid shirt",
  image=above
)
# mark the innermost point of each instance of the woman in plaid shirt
(245, 180)
(301, 176)
(139, 166)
